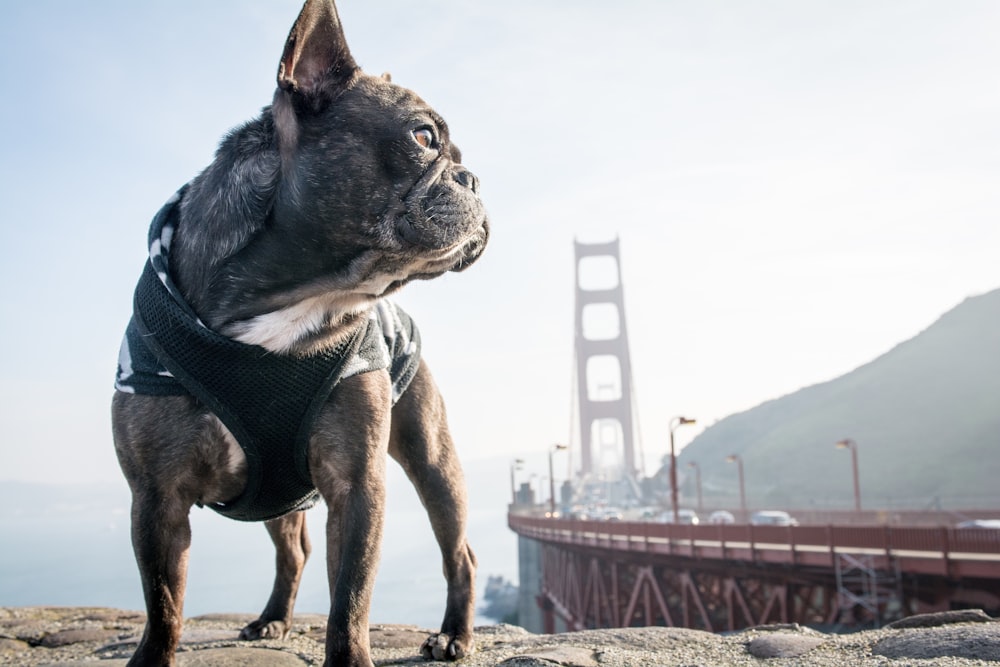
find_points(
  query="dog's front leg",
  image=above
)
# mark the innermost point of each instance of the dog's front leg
(347, 460)
(421, 443)
(291, 543)
(161, 538)
(173, 454)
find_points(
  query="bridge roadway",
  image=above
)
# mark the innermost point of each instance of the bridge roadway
(725, 577)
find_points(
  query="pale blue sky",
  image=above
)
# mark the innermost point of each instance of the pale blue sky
(797, 186)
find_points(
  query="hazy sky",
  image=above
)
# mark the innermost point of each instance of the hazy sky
(797, 186)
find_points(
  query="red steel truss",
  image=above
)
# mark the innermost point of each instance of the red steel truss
(617, 574)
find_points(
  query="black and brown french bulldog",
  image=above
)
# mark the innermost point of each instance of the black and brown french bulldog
(263, 368)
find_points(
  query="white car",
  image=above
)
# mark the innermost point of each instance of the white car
(685, 517)
(980, 523)
(772, 518)
(721, 517)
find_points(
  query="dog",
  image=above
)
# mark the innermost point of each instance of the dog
(263, 368)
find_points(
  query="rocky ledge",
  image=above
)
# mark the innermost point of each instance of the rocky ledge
(65, 636)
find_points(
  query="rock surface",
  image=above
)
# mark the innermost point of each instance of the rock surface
(79, 636)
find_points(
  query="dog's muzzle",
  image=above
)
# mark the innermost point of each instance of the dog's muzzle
(444, 211)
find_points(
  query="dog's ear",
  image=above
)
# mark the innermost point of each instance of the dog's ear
(316, 62)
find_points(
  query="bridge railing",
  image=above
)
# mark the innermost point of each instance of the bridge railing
(972, 540)
(958, 551)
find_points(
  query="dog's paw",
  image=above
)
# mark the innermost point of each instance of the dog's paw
(264, 629)
(445, 647)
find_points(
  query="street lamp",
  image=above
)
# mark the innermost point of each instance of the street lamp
(697, 481)
(514, 465)
(674, 423)
(847, 443)
(552, 479)
(738, 460)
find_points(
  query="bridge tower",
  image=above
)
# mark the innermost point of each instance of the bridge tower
(603, 366)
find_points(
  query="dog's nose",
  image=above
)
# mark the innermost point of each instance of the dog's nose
(466, 178)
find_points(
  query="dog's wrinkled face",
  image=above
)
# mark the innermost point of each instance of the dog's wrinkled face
(383, 167)
(346, 188)
(375, 160)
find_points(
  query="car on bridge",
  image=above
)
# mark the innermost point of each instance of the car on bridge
(993, 524)
(684, 517)
(772, 518)
(721, 517)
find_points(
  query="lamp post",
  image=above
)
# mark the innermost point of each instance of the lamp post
(697, 481)
(514, 466)
(674, 423)
(552, 479)
(847, 443)
(738, 460)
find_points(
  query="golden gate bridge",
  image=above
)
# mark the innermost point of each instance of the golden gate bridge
(836, 570)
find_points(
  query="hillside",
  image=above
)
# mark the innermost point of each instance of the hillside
(925, 415)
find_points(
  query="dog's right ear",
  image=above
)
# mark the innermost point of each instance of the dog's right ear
(316, 62)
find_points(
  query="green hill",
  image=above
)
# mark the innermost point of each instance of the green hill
(925, 415)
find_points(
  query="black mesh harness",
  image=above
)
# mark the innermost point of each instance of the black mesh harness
(268, 401)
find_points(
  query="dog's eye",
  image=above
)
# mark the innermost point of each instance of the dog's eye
(425, 137)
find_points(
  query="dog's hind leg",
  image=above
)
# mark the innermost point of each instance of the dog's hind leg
(291, 542)
(421, 443)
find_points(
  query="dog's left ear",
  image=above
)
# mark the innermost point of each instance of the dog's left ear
(316, 61)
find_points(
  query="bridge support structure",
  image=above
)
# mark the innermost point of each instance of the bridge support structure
(611, 411)
(865, 594)
(590, 590)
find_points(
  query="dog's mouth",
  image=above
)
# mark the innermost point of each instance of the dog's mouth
(442, 213)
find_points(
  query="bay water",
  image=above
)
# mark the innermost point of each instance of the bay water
(69, 545)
